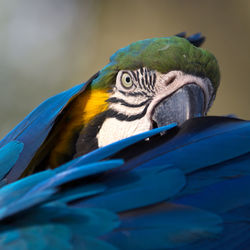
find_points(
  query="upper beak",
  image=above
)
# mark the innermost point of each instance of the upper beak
(187, 102)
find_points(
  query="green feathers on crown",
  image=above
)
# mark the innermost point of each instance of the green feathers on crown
(163, 55)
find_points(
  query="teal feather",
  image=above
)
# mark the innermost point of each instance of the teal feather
(9, 154)
(15, 191)
(77, 193)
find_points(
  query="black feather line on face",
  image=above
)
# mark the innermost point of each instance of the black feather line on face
(142, 93)
(111, 113)
(134, 75)
(137, 76)
(154, 80)
(150, 79)
(139, 81)
(124, 103)
(146, 77)
(143, 83)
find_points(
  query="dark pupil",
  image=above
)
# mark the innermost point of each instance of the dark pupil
(127, 79)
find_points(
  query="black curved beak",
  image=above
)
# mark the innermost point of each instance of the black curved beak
(187, 102)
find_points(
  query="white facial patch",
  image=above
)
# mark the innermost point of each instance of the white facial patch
(113, 130)
(135, 96)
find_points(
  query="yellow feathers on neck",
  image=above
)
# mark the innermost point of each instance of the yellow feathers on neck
(93, 103)
(81, 111)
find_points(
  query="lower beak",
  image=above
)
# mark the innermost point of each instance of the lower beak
(187, 102)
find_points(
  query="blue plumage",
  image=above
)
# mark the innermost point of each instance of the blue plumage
(163, 200)
(57, 226)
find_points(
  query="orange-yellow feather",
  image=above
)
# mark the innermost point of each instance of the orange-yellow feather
(84, 108)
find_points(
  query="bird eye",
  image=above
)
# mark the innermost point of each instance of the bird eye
(126, 81)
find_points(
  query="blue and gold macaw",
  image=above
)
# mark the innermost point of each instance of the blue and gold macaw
(129, 159)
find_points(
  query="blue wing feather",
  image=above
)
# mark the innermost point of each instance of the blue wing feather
(222, 196)
(158, 183)
(229, 169)
(14, 191)
(9, 154)
(72, 174)
(164, 226)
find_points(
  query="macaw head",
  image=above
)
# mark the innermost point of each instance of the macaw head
(148, 84)
(153, 83)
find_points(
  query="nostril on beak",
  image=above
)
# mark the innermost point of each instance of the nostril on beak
(170, 80)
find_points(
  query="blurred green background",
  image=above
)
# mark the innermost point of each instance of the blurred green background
(49, 46)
